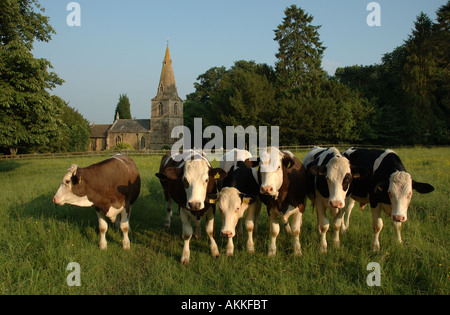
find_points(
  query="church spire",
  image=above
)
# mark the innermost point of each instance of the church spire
(167, 87)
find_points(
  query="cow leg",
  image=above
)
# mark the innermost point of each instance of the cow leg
(398, 231)
(377, 224)
(250, 224)
(230, 247)
(296, 227)
(324, 225)
(103, 227)
(124, 226)
(167, 221)
(187, 234)
(337, 224)
(349, 204)
(210, 232)
(274, 231)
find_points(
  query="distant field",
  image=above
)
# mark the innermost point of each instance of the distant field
(38, 241)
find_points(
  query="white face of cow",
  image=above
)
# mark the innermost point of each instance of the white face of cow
(232, 206)
(400, 193)
(65, 195)
(195, 180)
(338, 180)
(271, 170)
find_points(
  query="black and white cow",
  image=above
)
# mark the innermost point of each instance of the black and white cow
(240, 193)
(329, 177)
(388, 187)
(188, 179)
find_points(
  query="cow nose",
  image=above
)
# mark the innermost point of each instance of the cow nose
(398, 218)
(227, 234)
(336, 204)
(267, 190)
(196, 205)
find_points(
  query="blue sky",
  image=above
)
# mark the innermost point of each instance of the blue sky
(120, 45)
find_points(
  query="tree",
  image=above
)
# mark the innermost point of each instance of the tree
(123, 107)
(300, 51)
(28, 116)
(73, 131)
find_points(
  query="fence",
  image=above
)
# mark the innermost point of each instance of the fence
(153, 152)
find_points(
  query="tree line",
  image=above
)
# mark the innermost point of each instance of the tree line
(404, 100)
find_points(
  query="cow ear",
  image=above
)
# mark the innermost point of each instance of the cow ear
(288, 161)
(318, 170)
(76, 179)
(250, 163)
(381, 187)
(217, 173)
(161, 176)
(422, 188)
(173, 173)
(211, 198)
(359, 172)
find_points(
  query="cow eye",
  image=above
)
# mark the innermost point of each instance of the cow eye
(67, 181)
(207, 180)
(237, 209)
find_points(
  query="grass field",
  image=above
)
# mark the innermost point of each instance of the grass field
(39, 240)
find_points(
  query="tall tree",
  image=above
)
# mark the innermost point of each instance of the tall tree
(123, 107)
(28, 116)
(300, 51)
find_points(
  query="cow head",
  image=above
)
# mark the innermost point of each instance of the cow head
(272, 163)
(399, 190)
(198, 179)
(339, 174)
(232, 205)
(71, 189)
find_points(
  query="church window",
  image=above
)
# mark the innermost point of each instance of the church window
(160, 109)
(175, 109)
(118, 139)
(142, 143)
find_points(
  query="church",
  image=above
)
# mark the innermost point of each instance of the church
(146, 134)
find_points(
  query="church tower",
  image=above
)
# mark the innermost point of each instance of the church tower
(167, 107)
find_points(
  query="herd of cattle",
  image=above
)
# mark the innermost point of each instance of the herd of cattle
(330, 179)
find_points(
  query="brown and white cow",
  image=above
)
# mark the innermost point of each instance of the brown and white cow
(282, 180)
(110, 186)
(189, 180)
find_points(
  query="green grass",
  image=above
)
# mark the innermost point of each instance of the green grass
(38, 241)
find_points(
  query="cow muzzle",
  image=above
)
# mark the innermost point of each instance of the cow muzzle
(195, 205)
(267, 190)
(336, 204)
(399, 218)
(227, 234)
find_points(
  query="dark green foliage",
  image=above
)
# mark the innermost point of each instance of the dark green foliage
(409, 90)
(123, 107)
(30, 119)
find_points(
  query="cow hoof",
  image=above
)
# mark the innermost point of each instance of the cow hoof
(229, 253)
(103, 246)
(323, 250)
(185, 261)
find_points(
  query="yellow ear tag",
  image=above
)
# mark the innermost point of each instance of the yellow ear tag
(246, 201)
(212, 201)
(356, 176)
(379, 188)
(217, 176)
